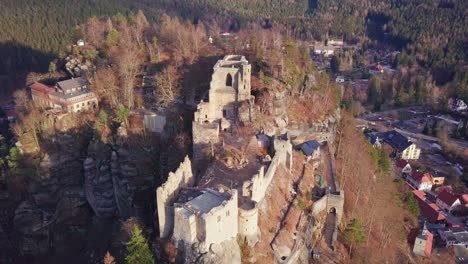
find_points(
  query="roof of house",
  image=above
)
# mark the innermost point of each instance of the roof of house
(420, 177)
(429, 211)
(72, 83)
(42, 88)
(396, 140)
(457, 234)
(464, 198)
(373, 138)
(428, 237)
(442, 188)
(310, 147)
(447, 197)
(401, 163)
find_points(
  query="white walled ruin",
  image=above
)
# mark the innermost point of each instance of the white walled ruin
(167, 193)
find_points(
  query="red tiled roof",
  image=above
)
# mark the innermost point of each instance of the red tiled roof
(420, 194)
(401, 163)
(419, 177)
(428, 249)
(39, 88)
(429, 211)
(464, 198)
(447, 188)
(447, 198)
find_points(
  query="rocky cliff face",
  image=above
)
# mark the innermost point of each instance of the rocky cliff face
(55, 208)
(78, 181)
(114, 183)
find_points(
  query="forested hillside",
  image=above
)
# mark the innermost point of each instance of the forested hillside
(34, 32)
(432, 33)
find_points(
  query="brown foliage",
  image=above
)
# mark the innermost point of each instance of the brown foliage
(369, 197)
(167, 86)
(184, 40)
(109, 259)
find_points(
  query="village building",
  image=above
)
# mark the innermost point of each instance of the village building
(428, 210)
(376, 69)
(80, 43)
(71, 95)
(454, 236)
(401, 145)
(403, 167)
(335, 42)
(311, 149)
(437, 178)
(325, 51)
(448, 201)
(457, 105)
(340, 79)
(420, 181)
(374, 139)
(423, 243)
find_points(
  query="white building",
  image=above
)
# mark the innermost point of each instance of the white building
(205, 215)
(420, 181)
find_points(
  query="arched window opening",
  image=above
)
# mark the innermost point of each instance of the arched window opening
(229, 80)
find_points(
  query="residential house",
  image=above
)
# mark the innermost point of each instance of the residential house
(442, 188)
(326, 51)
(454, 236)
(335, 42)
(70, 95)
(311, 149)
(401, 145)
(464, 200)
(340, 79)
(40, 94)
(376, 69)
(457, 105)
(437, 178)
(423, 243)
(403, 166)
(420, 181)
(80, 43)
(448, 201)
(428, 210)
(374, 139)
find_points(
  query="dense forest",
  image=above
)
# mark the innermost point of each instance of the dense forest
(430, 33)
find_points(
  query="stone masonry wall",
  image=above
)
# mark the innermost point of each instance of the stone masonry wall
(167, 193)
(283, 156)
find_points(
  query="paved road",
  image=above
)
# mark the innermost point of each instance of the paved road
(460, 143)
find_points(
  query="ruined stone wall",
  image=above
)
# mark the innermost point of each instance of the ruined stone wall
(185, 226)
(283, 156)
(220, 223)
(167, 193)
(203, 134)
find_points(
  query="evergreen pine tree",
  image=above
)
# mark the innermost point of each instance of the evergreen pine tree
(138, 251)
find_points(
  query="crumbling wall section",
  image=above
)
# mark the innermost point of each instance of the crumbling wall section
(167, 193)
(283, 156)
(204, 135)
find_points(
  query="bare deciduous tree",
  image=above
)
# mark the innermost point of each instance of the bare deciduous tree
(167, 86)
